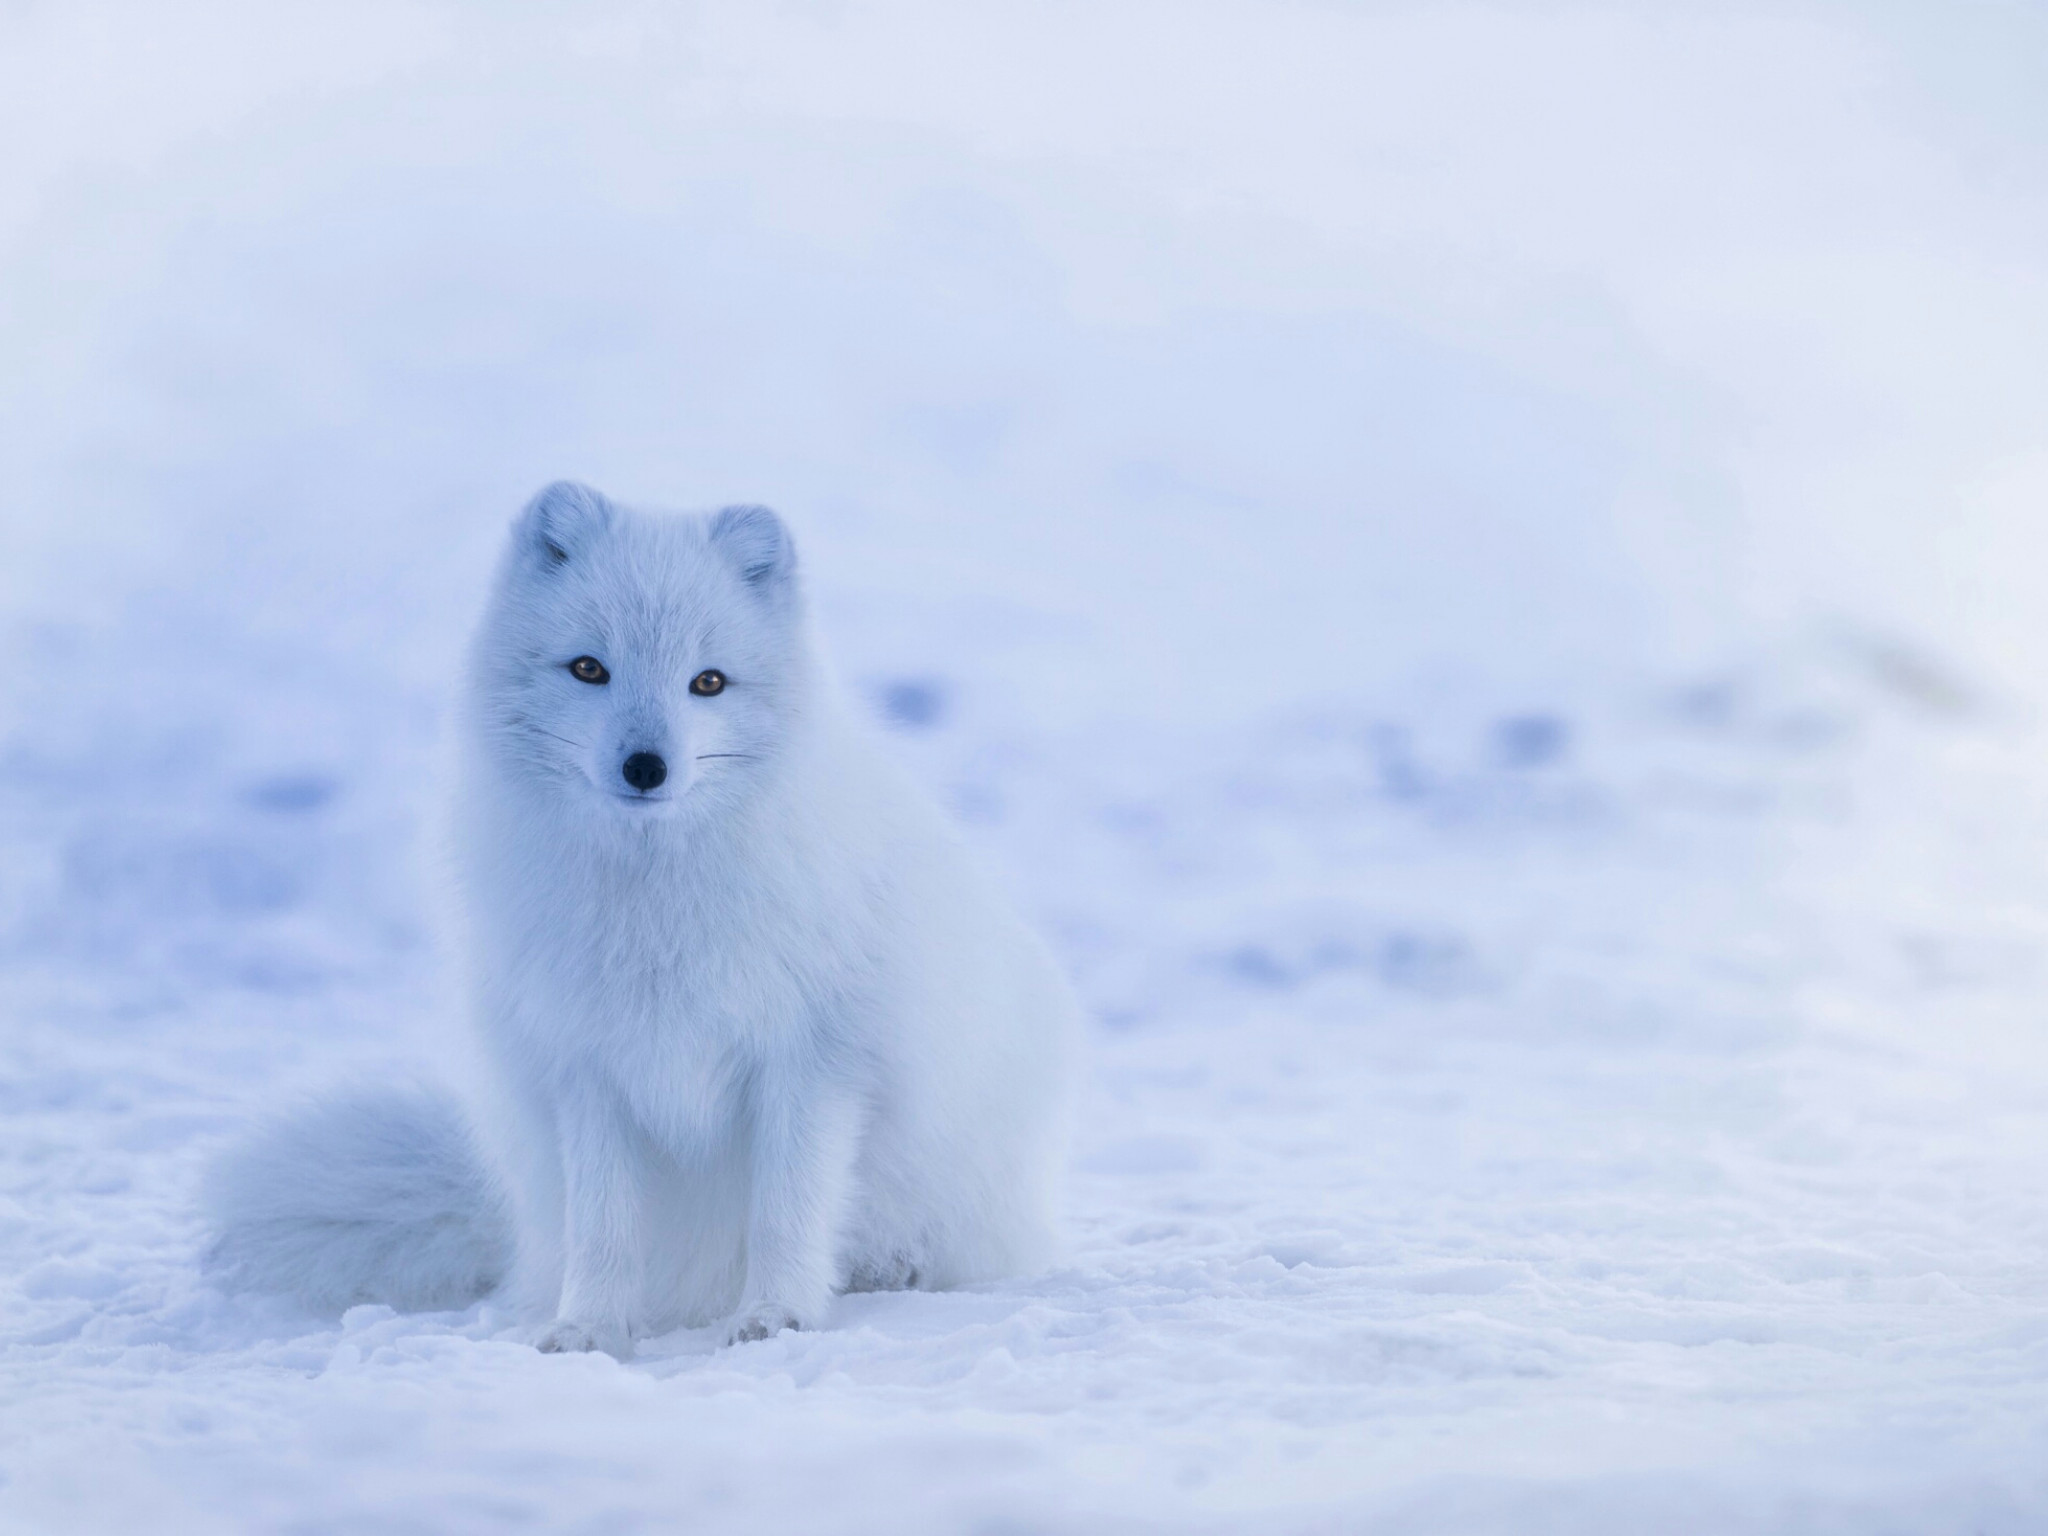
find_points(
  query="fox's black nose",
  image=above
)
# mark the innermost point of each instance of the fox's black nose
(643, 770)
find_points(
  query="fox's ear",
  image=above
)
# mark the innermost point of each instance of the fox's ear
(561, 521)
(757, 544)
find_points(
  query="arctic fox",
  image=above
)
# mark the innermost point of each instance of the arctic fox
(754, 1030)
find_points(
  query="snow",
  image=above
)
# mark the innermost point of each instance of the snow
(1475, 568)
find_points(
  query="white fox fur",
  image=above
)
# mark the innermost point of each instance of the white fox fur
(751, 1036)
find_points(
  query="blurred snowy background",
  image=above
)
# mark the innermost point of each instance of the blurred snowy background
(1479, 569)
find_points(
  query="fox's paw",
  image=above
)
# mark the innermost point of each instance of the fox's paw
(563, 1337)
(762, 1322)
(891, 1274)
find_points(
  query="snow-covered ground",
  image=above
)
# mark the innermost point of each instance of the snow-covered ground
(1478, 569)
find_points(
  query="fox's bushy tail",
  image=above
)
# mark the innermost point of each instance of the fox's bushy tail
(371, 1195)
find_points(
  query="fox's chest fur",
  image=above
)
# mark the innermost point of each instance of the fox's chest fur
(684, 969)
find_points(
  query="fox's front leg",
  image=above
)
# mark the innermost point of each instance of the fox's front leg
(804, 1142)
(603, 1242)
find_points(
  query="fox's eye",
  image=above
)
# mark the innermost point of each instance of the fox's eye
(708, 682)
(589, 669)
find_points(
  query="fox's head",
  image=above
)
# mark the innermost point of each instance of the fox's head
(639, 662)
